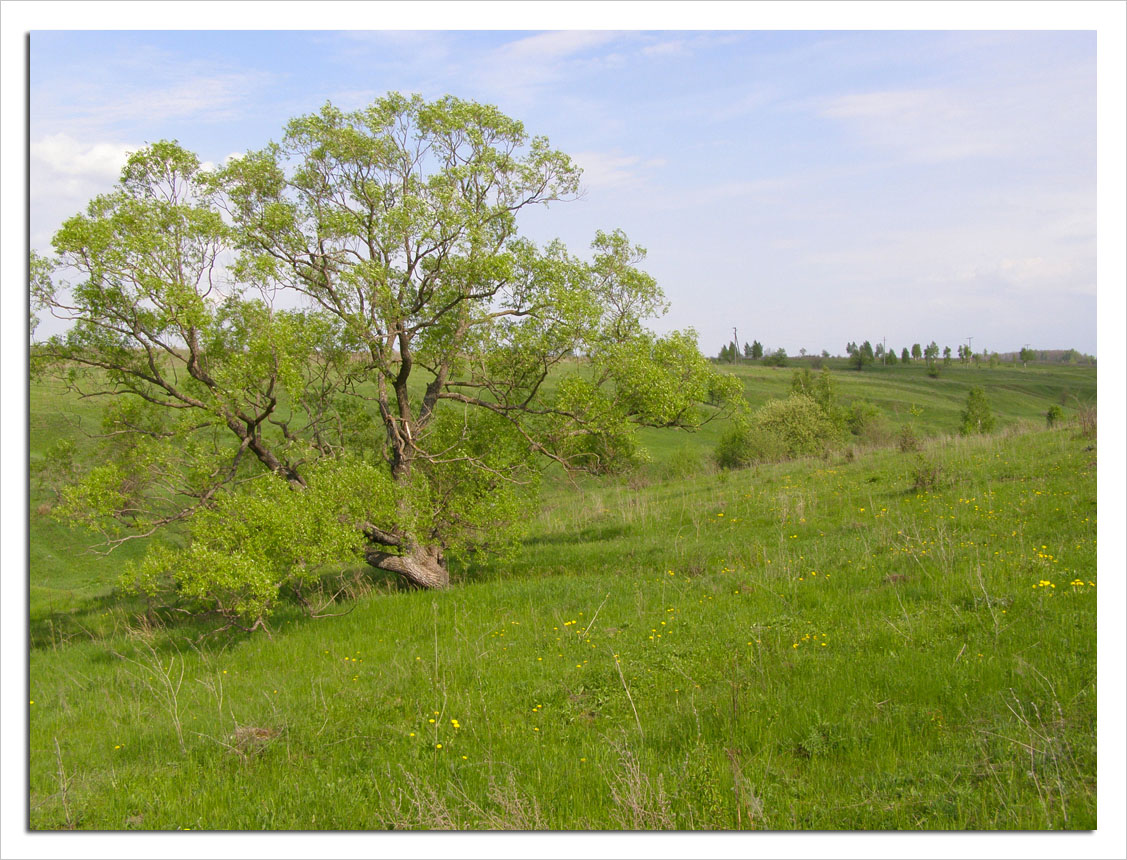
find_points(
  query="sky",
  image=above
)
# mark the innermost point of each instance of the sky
(806, 188)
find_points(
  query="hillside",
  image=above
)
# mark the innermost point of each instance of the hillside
(872, 640)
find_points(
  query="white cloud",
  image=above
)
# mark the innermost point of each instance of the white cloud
(674, 48)
(553, 46)
(65, 173)
(83, 107)
(924, 125)
(603, 170)
(64, 156)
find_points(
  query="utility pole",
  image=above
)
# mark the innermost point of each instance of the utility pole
(736, 339)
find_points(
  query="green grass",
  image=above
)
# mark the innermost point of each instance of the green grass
(819, 644)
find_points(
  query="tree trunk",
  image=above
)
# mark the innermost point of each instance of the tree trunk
(422, 566)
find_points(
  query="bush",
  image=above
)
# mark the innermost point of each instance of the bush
(1087, 417)
(802, 382)
(743, 445)
(977, 417)
(1054, 416)
(928, 476)
(685, 464)
(908, 440)
(798, 423)
(776, 359)
(860, 416)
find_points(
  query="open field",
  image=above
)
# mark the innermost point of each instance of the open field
(871, 640)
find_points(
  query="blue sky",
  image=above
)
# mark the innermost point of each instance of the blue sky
(808, 188)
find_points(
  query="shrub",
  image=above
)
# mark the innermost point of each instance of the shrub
(776, 359)
(802, 382)
(1087, 417)
(977, 417)
(927, 476)
(860, 416)
(684, 464)
(908, 440)
(1054, 416)
(798, 423)
(743, 445)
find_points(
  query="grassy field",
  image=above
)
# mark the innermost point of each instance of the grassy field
(873, 640)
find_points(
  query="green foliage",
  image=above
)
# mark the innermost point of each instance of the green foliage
(802, 382)
(908, 440)
(860, 356)
(57, 468)
(776, 359)
(825, 392)
(432, 330)
(1054, 415)
(976, 415)
(745, 443)
(263, 537)
(756, 349)
(861, 416)
(798, 423)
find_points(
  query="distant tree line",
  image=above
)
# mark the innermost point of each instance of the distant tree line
(865, 354)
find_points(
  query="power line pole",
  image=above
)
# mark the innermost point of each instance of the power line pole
(736, 340)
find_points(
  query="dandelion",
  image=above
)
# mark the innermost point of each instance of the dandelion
(411, 735)
(438, 746)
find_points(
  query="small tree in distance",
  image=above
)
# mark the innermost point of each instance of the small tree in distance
(976, 415)
(860, 356)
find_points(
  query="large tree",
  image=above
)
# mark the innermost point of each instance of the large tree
(340, 346)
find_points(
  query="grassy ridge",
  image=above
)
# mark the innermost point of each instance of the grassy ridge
(885, 641)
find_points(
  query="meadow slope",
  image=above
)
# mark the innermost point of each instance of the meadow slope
(870, 640)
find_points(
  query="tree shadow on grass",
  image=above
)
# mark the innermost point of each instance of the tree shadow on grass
(168, 625)
(591, 534)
